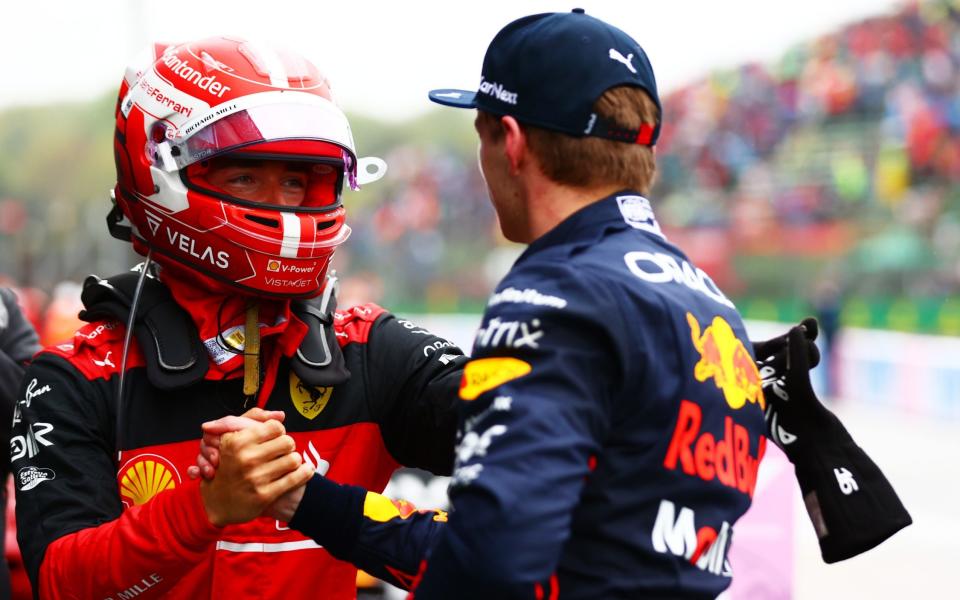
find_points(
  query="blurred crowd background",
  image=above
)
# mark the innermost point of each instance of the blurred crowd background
(824, 182)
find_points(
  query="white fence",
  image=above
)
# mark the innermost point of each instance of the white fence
(915, 374)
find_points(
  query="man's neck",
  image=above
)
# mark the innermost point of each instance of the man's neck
(549, 203)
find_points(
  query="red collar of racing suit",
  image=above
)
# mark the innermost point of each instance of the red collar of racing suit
(218, 311)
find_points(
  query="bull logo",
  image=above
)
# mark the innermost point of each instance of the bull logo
(724, 359)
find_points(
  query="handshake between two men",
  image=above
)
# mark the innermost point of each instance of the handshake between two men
(250, 468)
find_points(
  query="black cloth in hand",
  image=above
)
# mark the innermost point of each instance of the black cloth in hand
(851, 503)
(783, 380)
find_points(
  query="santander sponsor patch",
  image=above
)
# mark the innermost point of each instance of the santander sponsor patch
(185, 70)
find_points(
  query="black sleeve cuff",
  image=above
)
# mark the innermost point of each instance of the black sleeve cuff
(330, 514)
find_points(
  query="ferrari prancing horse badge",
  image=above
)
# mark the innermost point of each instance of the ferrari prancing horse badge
(309, 401)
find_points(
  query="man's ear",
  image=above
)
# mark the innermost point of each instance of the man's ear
(514, 143)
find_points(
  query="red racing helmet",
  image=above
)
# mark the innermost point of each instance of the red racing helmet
(192, 106)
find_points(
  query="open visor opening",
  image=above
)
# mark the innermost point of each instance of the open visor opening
(267, 179)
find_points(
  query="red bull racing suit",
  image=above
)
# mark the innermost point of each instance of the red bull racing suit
(610, 432)
(99, 519)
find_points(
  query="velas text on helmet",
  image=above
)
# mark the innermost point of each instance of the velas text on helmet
(188, 245)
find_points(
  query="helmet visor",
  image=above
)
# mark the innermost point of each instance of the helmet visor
(318, 120)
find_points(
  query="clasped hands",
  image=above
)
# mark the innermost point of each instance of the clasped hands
(250, 468)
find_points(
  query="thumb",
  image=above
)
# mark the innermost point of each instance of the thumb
(261, 415)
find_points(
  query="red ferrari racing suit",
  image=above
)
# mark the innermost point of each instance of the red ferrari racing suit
(102, 519)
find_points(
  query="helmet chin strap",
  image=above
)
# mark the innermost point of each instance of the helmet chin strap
(134, 304)
(251, 339)
(251, 352)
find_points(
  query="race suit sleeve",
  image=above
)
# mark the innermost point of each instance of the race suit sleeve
(76, 540)
(538, 399)
(536, 408)
(413, 376)
(386, 538)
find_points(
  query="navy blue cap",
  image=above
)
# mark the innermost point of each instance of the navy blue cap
(547, 70)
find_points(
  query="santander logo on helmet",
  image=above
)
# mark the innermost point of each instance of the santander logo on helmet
(193, 120)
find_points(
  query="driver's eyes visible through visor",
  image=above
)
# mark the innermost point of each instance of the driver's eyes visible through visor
(270, 181)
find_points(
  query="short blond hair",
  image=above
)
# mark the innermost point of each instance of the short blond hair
(592, 161)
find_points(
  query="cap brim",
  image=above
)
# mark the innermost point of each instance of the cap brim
(455, 98)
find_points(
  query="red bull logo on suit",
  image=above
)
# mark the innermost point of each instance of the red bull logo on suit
(725, 359)
(724, 457)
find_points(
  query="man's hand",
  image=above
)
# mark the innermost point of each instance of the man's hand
(208, 458)
(256, 466)
(286, 505)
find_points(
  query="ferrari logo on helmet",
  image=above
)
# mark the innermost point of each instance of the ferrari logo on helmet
(309, 401)
(145, 476)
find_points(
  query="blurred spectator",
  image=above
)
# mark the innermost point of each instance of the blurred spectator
(790, 162)
(60, 318)
(827, 304)
(783, 164)
(18, 344)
